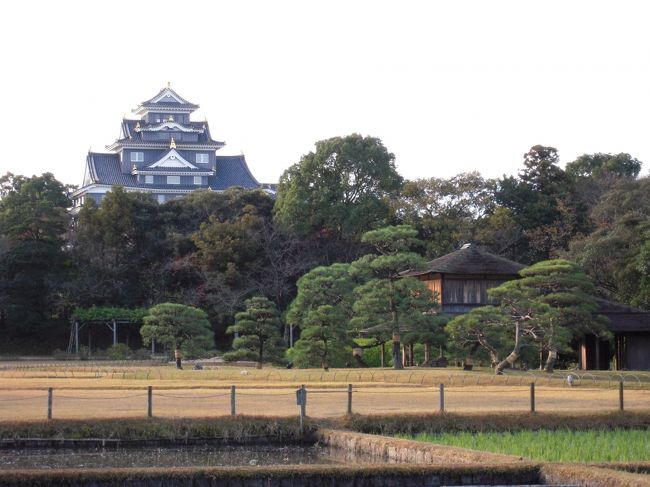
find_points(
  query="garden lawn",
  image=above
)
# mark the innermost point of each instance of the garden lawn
(561, 445)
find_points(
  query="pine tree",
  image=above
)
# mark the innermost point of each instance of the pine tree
(552, 303)
(323, 338)
(389, 301)
(259, 333)
(183, 328)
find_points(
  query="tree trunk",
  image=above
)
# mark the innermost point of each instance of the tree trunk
(494, 354)
(177, 356)
(411, 354)
(552, 352)
(550, 361)
(397, 356)
(427, 355)
(260, 358)
(382, 354)
(514, 355)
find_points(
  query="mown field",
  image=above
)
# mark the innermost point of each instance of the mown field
(599, 445)
(118, 391)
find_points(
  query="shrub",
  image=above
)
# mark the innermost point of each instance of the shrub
(119, 351)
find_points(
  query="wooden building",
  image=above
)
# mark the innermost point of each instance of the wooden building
(461, 280)
(630, 349)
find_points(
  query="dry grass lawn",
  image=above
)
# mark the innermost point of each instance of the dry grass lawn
(117, 392)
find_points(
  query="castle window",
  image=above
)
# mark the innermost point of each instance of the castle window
(148, 179)
(161, 198)
(197, 180)
(202, 158)
(137, 156)
(173, 180)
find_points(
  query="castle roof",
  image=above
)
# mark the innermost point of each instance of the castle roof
(166, 100)
(470, 260)
(104, 169)
(132, 130)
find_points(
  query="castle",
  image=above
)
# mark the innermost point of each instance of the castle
(163, 153)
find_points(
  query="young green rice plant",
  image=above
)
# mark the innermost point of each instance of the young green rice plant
(617, 445)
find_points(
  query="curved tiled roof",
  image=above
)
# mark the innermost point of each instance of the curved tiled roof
(183, 102)
(230, 171)
(470, 260)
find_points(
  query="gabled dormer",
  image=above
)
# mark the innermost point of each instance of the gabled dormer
(172, 160)
(167, 102)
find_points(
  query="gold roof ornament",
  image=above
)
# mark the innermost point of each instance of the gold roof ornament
(137, 126)
(169, 84)
(172, 144)
(171, 118)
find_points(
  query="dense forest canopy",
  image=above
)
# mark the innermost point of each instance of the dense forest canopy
(214, 251)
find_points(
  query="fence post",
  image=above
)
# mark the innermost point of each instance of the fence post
(232, 401)
(149, 401)
(442, 398)
(620, 396)
(349, 398)
(303, 408)
(49, 403)
(532, 397)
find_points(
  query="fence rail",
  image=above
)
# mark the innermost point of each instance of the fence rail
(16, 404)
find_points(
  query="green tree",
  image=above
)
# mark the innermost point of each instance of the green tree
(595, 174)
(479, 329)
(258, 330)
(601, 165)
(118, 249)
(322, 285)
(341, 189)
(323, 338)
(324, 293)
(183, 328)
(446, 212)
(544, 203)
(613, 255)
(33, 209)
(33, 264)
(389, 300)
(552, 303)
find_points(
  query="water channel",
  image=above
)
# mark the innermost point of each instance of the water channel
(188, 456)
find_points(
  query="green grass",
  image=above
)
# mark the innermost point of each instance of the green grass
(617, 445)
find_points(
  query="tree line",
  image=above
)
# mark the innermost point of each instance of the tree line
(214, 251)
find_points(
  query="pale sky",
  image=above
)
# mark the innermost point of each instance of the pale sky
(449, 86)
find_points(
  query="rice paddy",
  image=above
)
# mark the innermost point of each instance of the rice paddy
(617, 445)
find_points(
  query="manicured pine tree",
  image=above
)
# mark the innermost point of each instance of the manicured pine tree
(552, 303)
(323, 338)
(390, 300)
(259, 333)
(183, 328)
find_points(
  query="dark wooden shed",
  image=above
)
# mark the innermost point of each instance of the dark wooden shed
(461, 279)
(631, 346)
